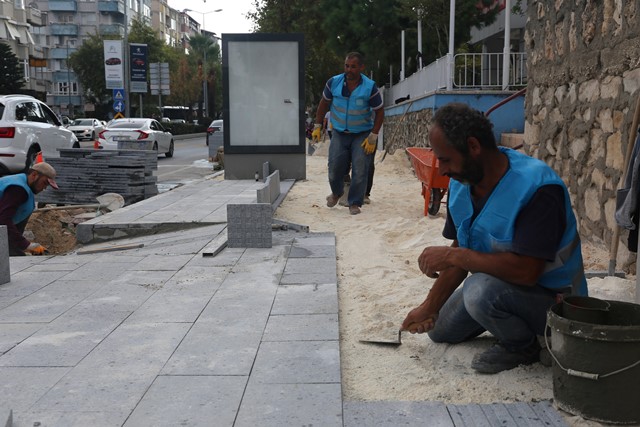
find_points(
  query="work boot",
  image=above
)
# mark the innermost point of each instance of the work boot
(498, 358)
(354, 209)
(367, 200)
(332, 200)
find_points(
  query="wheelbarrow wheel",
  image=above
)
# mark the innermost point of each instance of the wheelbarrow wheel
(434, 201)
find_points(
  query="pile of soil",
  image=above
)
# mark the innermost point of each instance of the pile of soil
(55, 229)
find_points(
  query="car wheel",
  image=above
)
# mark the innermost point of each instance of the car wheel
(93, 136)
(155, 146)
(170, 152)
(31, 158)
(76, 144)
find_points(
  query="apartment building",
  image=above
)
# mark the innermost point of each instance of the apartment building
(44, 33)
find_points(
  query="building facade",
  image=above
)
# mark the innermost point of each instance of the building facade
(44, 33)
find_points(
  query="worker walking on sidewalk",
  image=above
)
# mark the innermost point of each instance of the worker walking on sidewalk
(352, 97)
(17, 202)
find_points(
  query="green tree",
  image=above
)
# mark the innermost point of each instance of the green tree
(202, 47)
(88, 64)
(302, 16)
(11, 74)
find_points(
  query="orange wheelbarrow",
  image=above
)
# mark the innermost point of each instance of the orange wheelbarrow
(434, 185)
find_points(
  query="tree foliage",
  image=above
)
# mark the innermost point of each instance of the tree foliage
(11, 74)
(332, 28)
(88, 64)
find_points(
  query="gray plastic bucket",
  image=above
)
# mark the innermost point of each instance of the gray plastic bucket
(596, 366)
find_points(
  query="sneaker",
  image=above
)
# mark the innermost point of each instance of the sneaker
(498, 358)
(367, 200)
(332, 200)
(354, 210)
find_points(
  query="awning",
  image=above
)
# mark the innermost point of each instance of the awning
(14, 34)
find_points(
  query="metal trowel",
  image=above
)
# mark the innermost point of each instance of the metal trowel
(391, 342)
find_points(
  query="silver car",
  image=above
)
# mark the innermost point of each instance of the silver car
(27, 127)
(129, 133)
(86, 129)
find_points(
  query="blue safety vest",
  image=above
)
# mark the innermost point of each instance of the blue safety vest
(351, 113)
(493, 228)
(25, 209)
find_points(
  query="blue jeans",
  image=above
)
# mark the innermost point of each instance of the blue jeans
(513, 314)
(345, 149)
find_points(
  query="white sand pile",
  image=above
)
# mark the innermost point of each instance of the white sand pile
(379, 282)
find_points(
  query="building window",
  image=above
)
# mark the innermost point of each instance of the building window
(60, 88)
(18, 4)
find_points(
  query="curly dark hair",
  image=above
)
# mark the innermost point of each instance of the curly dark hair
(459, 121)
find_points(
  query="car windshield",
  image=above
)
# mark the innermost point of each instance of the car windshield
(126, 125)
(82, 123)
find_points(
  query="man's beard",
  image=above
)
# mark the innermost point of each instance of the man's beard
(472, 174)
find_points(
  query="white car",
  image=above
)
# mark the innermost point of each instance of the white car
(86, 129)
(28, 126)
(136, 131)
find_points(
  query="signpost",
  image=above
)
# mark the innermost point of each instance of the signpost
(160, 83)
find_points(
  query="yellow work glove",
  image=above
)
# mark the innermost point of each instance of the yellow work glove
(317, 132)
(36, 249)
(370, 143)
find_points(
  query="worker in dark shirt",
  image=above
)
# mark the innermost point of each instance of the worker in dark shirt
(515, 247)
(17, 202)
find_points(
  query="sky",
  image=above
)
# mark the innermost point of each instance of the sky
(231, 19)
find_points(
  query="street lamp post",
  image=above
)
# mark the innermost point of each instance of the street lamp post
(205, 83)
(69, 104)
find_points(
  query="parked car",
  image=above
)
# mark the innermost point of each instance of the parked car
(86, 129)
(136, 130)
(215, 126)
(28, 126)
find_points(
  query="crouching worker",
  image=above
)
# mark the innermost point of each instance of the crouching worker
(17, 202)
(513, 229)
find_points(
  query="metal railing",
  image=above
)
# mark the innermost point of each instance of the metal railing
(484, 70)
(481, 71)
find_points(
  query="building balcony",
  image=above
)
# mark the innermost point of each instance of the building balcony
(60, 52)
(34, 17)
(112, 30)
(64, 29)
(63, 5)
(114, 6)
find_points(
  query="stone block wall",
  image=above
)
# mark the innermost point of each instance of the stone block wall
(584, 81)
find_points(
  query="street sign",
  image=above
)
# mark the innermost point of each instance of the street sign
(118, 94)
(119, 116)
(118, 106)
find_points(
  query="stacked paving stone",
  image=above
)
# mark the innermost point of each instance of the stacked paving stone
(84, 174)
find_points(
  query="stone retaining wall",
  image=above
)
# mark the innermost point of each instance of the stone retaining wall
(584, 80)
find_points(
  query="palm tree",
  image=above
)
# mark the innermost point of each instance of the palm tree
(206, 52)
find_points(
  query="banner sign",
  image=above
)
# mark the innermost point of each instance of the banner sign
(113, 64)
(138, 67)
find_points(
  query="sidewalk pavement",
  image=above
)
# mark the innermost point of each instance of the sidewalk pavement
(160, 335)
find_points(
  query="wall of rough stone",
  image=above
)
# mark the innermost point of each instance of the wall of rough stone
(584, 81)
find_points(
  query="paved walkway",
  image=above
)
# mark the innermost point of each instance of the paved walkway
(160, 335)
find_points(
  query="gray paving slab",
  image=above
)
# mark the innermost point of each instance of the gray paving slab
(162, 262)
(310, 265)
(396, 413)
(308, 278)
(70, 418)
(198, 278)
(214, 349)
(277, 405)
(313, 251)
(20, 388)
(296, 362)
(151, 279)
(172, 306)
(6, 417)
(25, 283)
(104, 272)
(302, 327)
(68, 339)
(48, 302)
(189, 401)
(13, 333)
(306, 299)
(114, 376)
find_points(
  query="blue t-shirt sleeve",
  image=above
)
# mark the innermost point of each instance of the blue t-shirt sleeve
(375, 102)
(326, 93)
